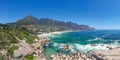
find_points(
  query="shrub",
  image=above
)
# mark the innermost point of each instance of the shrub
(29, 57)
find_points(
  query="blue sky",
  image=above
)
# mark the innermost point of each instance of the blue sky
(101, 14)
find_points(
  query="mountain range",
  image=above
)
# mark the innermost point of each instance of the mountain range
(46, 22)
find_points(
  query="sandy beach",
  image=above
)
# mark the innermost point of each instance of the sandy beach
(45, 35)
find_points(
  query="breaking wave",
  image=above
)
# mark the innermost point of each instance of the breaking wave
(87, 48)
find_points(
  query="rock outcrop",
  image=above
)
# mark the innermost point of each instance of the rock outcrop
(23, 50)
(74, 56)
(26, 49)
(112, 54)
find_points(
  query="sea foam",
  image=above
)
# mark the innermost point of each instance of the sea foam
(86, 48)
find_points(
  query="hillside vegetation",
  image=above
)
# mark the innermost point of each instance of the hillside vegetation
(8, 39)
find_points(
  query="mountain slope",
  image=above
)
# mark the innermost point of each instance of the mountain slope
(28, 20)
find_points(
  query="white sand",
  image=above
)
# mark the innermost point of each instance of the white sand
(52, 33)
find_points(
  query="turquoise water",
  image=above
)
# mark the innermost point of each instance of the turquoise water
(83, 41)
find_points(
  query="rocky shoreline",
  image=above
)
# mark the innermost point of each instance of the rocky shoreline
(37, 49)
(111, 54)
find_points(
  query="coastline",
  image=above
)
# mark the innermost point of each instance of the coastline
(111, 53)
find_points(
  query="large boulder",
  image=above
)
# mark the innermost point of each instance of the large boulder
(23, 50)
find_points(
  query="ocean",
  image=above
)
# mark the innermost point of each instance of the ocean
(83, 41)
